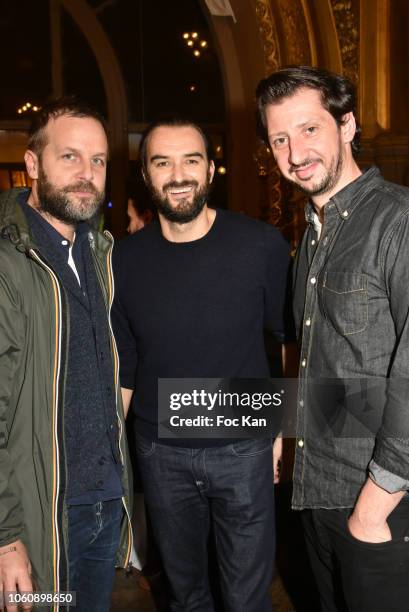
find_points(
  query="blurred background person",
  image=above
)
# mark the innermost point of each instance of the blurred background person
(139, 209)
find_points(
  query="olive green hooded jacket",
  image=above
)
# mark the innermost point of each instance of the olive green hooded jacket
(34, 336)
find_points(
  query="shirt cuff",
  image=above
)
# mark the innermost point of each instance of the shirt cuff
(386, 480)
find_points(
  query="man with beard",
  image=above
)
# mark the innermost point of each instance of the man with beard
(63, 486)
(193, 294)
(351, 303)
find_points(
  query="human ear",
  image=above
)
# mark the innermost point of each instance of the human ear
(211, 170)
(32, 163)
(348, 127)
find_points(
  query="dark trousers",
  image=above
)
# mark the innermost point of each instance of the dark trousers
(93, 536)
(187, 490)
(356, 576)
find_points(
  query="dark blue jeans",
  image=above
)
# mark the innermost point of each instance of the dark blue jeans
(93, 536)
(230, 486)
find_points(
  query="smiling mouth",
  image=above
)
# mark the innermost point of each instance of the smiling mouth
(180, 192)
(304, 171)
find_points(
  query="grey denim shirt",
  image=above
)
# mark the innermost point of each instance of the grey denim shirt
(351, 306)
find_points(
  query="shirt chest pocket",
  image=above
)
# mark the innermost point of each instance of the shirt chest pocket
(345, 301)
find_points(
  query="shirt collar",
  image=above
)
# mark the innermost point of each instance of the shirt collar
(348, 198)
(58, 240)
(317, 224)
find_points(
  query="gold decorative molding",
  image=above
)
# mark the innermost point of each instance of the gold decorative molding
(270, 178)
(268, 173)
(374, 66)
(346, 16)
(268, 35)
(279, 204)
(310, 32)
(295, 31)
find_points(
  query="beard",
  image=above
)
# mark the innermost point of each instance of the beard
(185, 210)
(328, 181)
(60, 203)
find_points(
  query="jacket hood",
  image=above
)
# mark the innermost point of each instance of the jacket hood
(13, 222)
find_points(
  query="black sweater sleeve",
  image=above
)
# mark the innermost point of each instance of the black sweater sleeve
(277, 269)
(124, 336)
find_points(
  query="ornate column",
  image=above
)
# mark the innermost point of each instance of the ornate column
(287, 36)
(86, 20)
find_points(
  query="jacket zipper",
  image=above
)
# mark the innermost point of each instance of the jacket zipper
(56, 382)
(111, 289)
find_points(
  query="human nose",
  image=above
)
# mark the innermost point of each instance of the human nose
(178, 172)
(297, 151)
(86, 169)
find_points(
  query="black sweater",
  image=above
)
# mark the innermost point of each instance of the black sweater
(196, 309)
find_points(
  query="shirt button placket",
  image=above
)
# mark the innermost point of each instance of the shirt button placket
(303, 363)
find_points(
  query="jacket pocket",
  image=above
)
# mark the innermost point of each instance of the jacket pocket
(345, 301)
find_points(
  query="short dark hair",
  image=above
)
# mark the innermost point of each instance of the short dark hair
(338, 94)
(172, 122)
(70, 106)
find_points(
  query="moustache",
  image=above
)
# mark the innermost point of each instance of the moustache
(179, 185)
(85, 186)
(306, 162)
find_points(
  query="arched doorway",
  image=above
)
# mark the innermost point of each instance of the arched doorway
(362, 39)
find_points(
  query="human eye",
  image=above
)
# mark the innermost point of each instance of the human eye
(68, 156)
(99, 161)
(162, 163)
(192, 161)
(311, 129)
(280, 142)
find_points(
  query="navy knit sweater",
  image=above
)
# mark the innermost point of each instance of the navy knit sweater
(90, 421)
(196, 309)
